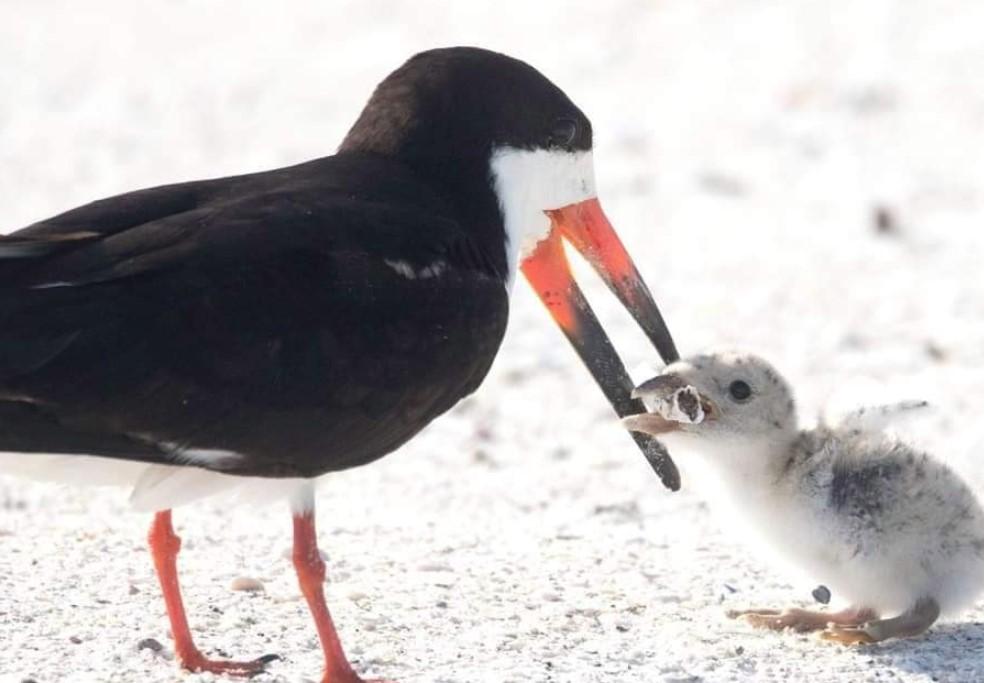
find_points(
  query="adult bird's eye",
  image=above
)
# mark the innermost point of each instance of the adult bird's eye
(562, 132)
(739, 390)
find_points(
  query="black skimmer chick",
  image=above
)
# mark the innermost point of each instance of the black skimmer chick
(894, 532)
(278, 326)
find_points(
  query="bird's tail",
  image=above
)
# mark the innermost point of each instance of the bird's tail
(27, 427)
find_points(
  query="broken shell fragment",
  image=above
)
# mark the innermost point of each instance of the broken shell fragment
(683, 405)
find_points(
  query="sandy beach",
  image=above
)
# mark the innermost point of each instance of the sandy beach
(800, 179)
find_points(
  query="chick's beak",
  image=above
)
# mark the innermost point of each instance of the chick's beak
(649, 423)
(585, 226)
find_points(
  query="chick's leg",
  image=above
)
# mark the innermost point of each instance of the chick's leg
(908, 624)
(802, 620)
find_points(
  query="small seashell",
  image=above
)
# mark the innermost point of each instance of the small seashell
(246, 583)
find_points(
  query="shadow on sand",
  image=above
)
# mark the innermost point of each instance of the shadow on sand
(942, 653)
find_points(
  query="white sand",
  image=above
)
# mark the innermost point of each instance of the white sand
(741, 150)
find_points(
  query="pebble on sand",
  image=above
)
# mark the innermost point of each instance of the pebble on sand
(151, 644)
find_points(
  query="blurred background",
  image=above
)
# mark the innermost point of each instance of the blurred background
(801, 179)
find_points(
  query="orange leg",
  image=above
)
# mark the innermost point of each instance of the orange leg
(164, 546)
(311, 575)
(802, 620)
(909, 624)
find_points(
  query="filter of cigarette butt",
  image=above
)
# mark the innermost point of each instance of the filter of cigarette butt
(683, 405)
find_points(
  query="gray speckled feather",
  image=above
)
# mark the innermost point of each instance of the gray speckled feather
(888, 528)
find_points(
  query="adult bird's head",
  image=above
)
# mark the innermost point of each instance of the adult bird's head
(513, 156)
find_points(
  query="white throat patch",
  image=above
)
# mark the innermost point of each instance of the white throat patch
(530, 182)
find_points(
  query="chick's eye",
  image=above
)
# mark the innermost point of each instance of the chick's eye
(739, 390)
(562, 132)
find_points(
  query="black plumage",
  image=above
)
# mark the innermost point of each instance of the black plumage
(275, 315)
(254, 314)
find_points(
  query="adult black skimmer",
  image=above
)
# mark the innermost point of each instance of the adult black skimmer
(285, 324)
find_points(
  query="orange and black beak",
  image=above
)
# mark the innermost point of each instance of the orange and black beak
(585, 226)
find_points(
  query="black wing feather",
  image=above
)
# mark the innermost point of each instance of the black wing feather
(255, 314)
